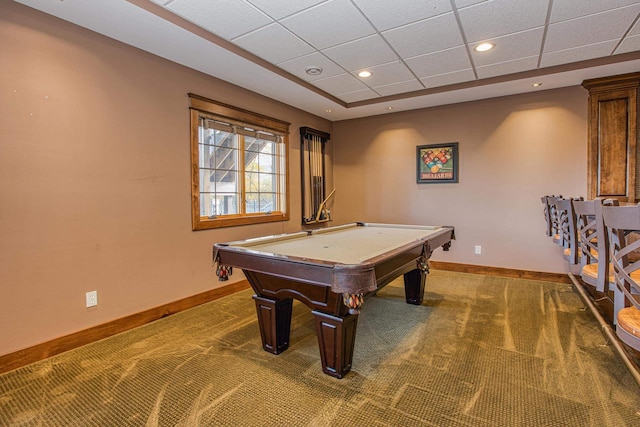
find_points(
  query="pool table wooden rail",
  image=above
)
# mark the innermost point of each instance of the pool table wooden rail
(367, 276)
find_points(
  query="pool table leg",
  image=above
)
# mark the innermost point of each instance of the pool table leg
(274, 318)
(414, 282)
(336, 338)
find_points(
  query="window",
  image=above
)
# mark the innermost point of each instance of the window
(239, 166)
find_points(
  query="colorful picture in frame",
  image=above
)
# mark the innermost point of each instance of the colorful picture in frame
(437, 163)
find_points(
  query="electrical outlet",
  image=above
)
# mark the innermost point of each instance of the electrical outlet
(478, 249)
(92, 298)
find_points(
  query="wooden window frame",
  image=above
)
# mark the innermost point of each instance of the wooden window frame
(207, 108)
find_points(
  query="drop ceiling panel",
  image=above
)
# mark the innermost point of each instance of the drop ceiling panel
(511, 47)
(329, 24)
(581, 53)
(342, 83)
(635, 30)
(359, 95)
(397, 88)
(278, 9)
(508, 67)
(298, 66)
(448, 78)
(426, 36)
(386, 74)
(499, 17)
(464, 3)
(629, 44)
(440, 62)
(228, 19)
(274, 43)
(362, 53)
(570, 9)
(601, 27)
(385, 14)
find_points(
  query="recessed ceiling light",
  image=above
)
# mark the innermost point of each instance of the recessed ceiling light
(536, 84)
(313, 70)
(328, 110)
(483, 47)
(364, 74)
(389, 107)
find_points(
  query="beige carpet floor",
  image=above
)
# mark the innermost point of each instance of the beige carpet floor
(480, 351)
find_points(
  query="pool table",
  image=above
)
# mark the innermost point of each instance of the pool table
(331, 270)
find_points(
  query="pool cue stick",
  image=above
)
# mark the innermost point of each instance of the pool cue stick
(315, 172)
(324, 202)
(311, 196)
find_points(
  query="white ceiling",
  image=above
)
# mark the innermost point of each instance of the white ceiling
(419, 51)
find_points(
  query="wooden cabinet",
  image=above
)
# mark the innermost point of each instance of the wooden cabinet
(611, 152)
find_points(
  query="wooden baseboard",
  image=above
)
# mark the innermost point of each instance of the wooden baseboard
(38, 352)
(502, 272)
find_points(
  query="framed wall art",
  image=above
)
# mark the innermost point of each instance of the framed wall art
(437, 163)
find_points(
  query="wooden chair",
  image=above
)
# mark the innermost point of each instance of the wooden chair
(595, 269)
(547, 211)
(554, 218)
(547, 216)
(568, 229)
(621, 220)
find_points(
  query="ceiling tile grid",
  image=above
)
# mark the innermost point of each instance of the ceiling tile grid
(410, 45)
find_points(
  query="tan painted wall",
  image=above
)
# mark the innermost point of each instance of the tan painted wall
(95, 178)
(513, 150)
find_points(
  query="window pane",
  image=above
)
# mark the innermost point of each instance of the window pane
(212, 205)
(267, 183)
(227, 204)
(207, 184)
(268, 147)
(206, 153)
(266, 162)
(205, 204)
(267, 202)
(251, 161)
(226, 159)
(252, 182)
(228, 182)
(212, 181)
(224, 139)
(252, 144)
(261, 202)
(252, 203)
